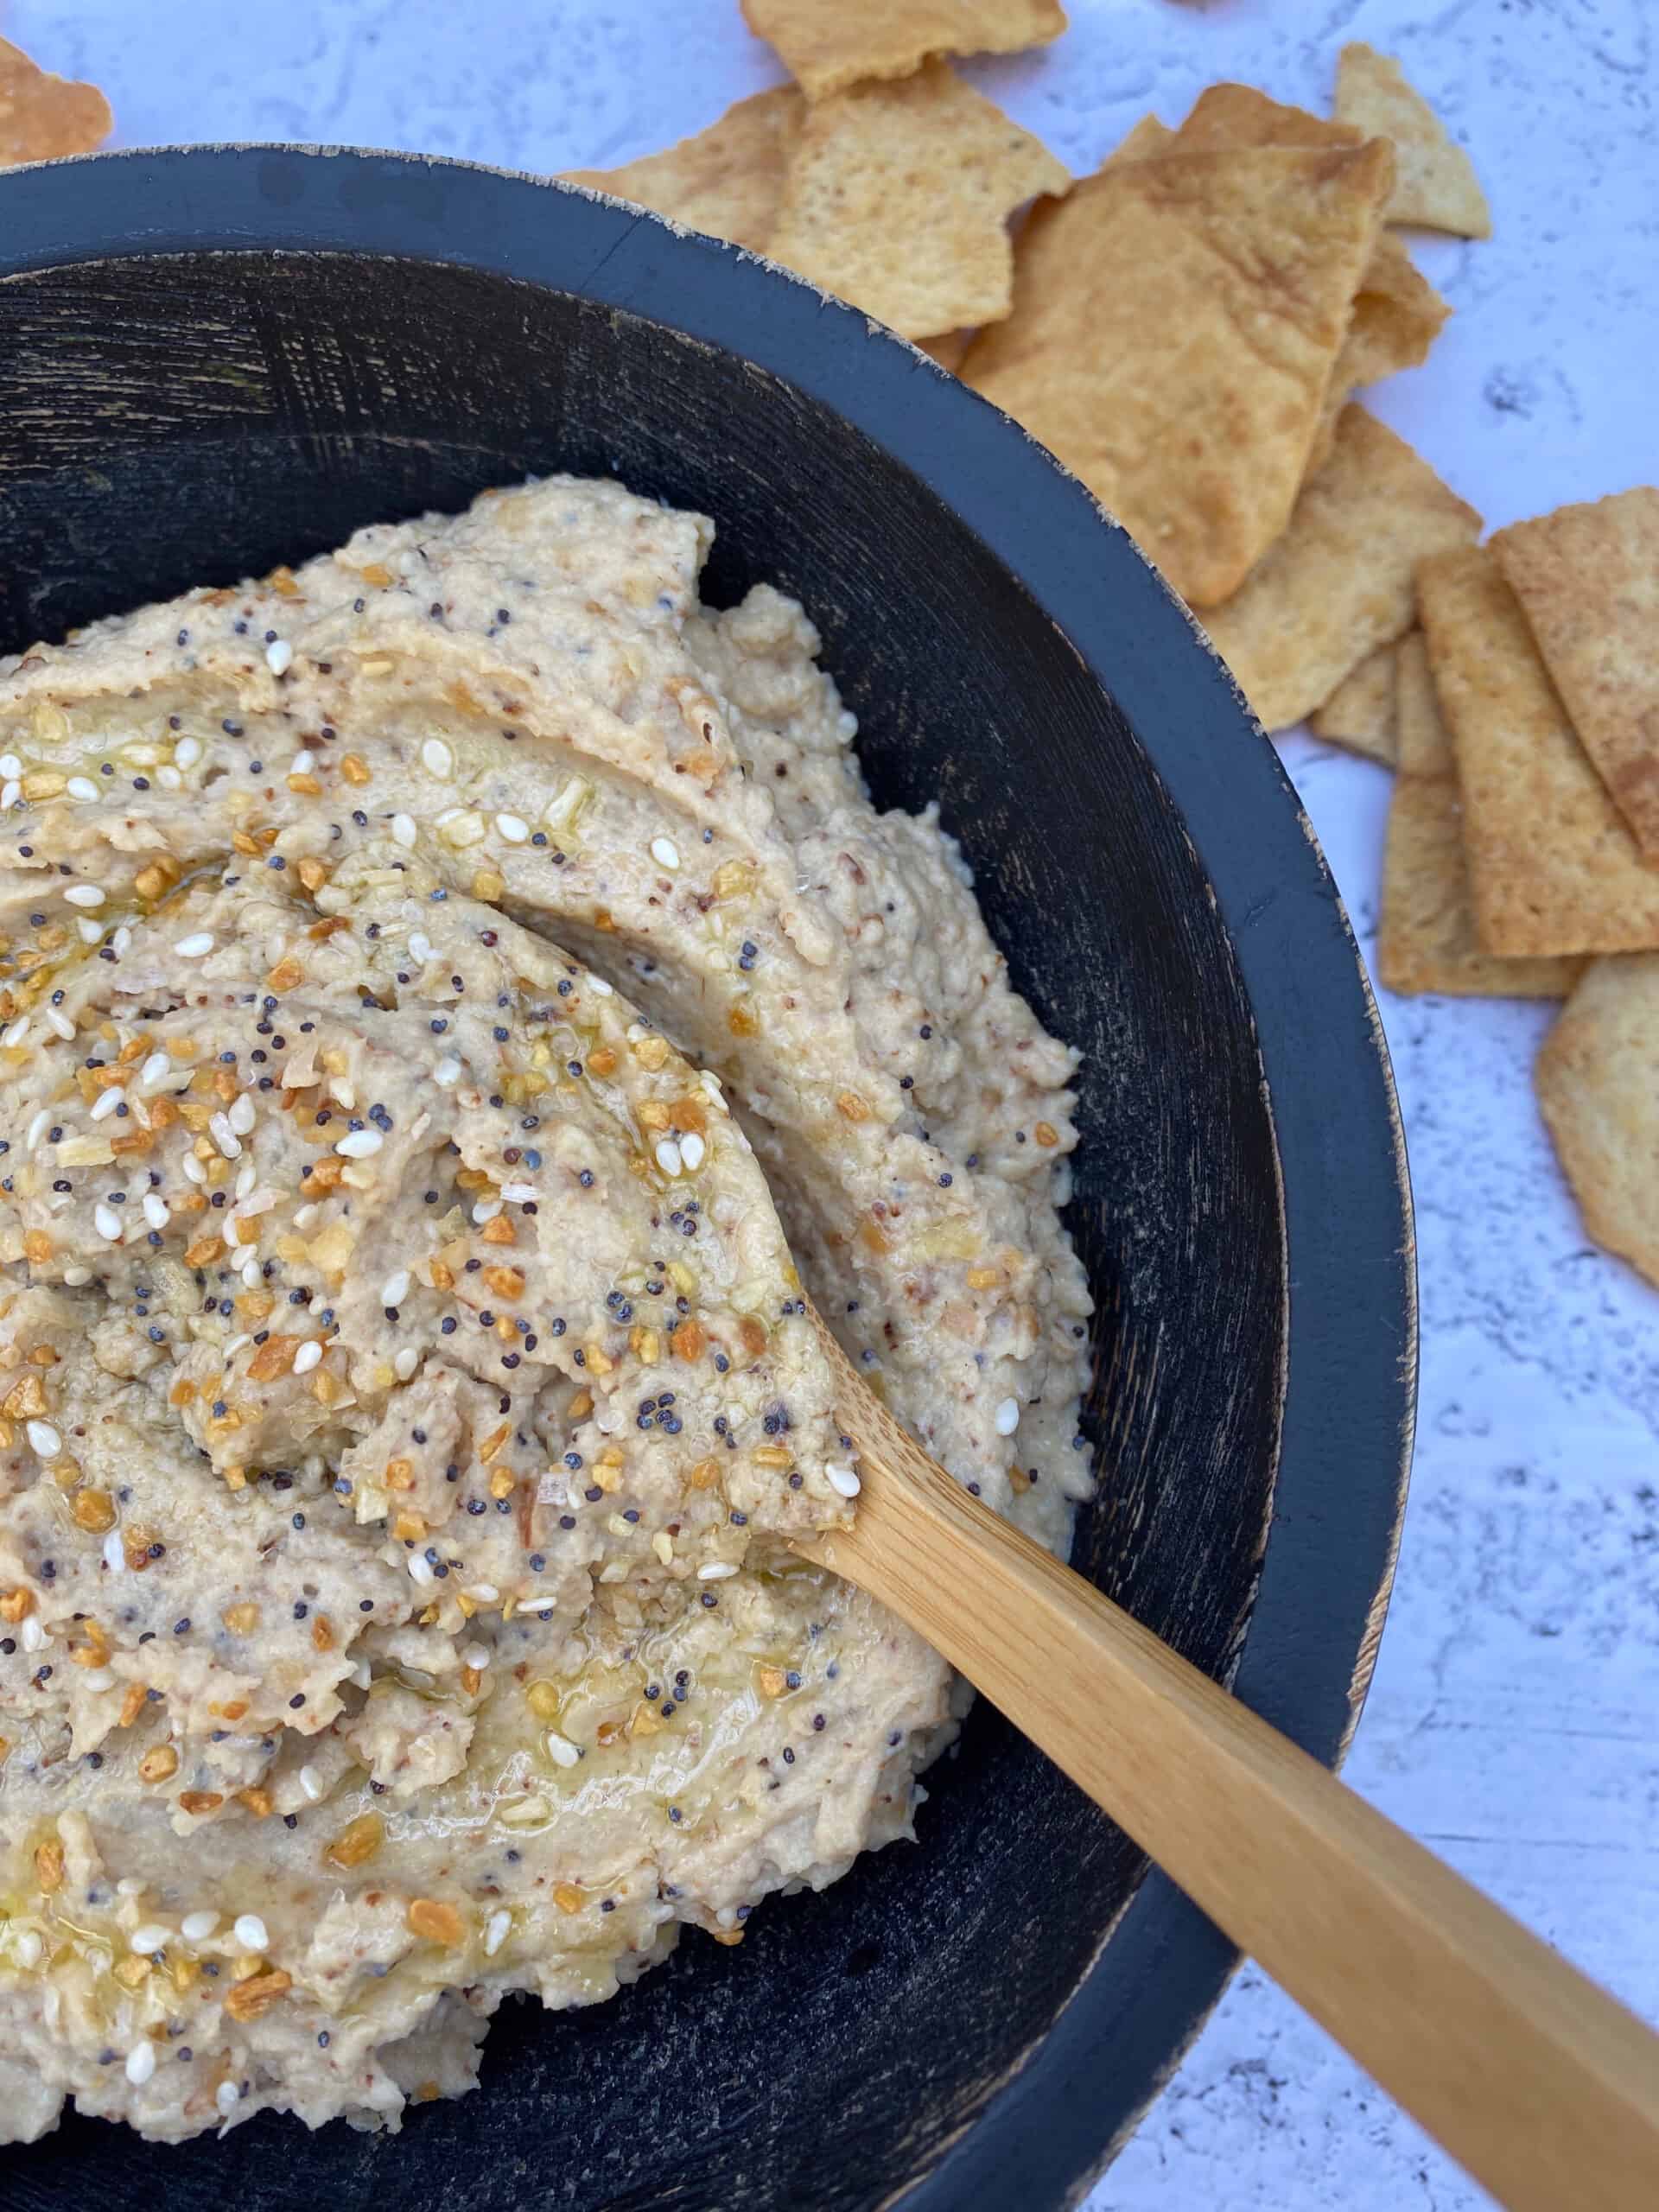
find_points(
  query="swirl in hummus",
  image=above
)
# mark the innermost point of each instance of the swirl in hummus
(406, 1396)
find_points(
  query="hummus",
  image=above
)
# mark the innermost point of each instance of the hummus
(406, 1394)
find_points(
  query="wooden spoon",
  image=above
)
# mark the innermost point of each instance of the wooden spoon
(1545, 2088)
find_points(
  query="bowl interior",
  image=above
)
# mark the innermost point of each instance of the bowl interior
(195, 417)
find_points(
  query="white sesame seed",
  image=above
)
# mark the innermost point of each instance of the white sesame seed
(495, 1931)
(196, 946)
(186, 753)
(405, 1363)
(486, 1210)
(75, 1277)
(10, 765)
(518, 1194)
(662, 1544)
(241, 1115)
(219, 1127)
(10, 792)
(403, 831)
(141, 2062)
(115, 1553)
(32, 1634)
(446, 1072)
(715, 1571)
(98, 1678)
(476, 1656)
(359, 1144)
(560, 1749)
(83, 894)
(250, 1932)
(245, 1177)
(513, 827)
(459, 826)
(88, 932)
(169, 778)
(157, 1066)
(395, 1289)
(14, 1035)
(194, 1172)
(436, 758)
(665, 851)
(843, 1479)
(81, 787)
(227, 2096)
(598, 984)
(669, 1156)
(302, 763)
(311, 1783)
(1007, 1417)
(279, 655)
(691, 1150)
(107, 1222)
(420, 946)
(307, 1355)
(59, 1023)
(121, 941)
(156, 1210)
(197, 1927)
(152, 1936)
(420, 1568)
(105, 1104)
(37, 1128)
(483, 1593)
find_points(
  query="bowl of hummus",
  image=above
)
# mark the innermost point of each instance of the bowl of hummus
(560, 794)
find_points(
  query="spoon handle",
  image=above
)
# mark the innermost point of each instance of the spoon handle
(1545, 2088)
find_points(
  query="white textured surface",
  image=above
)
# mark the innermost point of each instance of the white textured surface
(1512, 1723)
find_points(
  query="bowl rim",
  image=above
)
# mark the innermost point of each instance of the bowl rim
(1049, 2129)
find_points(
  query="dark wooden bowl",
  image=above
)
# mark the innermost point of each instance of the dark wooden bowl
(213, 360)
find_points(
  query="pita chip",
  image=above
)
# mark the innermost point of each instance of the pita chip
(1359, 713)
(897, 198)
(1176, 321)
(1339, 583)
(1597, 1078)
(1141, 141)
(1552, 867)
(949, 349)
(1434, 181)
(1425, 941)
(726, 181)
(1239, 115)
(1587, 579)
(42, 117)
(1397, 317)
(827, 45)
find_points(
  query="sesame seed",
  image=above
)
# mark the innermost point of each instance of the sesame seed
(691, 1150)
(83, 894)
(359, 1144)
(310, 1353)
(152, 1936)
(396, 1288)
(250, 1932)
(436, 758)
(665, 851)
(403, 831)
(495, 1932)
(715, 1571)
(279, 657)
(196, 946)
(513, 827)
(197, 1927)
(1007, 1417)
(107, 1222)
(560, 1749)
(843, 1479)
(669, 1156)
(141, 2063)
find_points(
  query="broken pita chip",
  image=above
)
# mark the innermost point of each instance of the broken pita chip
(1359, 713)
(1397, 317)
(1597, 1076)
(1339, 583)
(1425, 940)
(827, 45)
(1239, 115)
(897, 198)
(1141, 141)
(1552, 867)
(42, 117)
(1176, 323)
(726, 181)
(1434, 180)
(1587, 579)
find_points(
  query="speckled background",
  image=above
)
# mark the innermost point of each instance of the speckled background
(1514, 1721)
